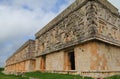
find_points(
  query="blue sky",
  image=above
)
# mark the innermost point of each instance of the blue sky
(21, 19)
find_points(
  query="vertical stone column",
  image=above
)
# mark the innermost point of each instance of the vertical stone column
(20, 67)
(66, 63)
(24, 66)
(36, 47)
(38, 62)
(91, 14)
(15, 67)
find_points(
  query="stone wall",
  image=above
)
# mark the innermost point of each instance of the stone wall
(83, 56)
(38, 64)
(26, 51)
(55, 61)
(30, 65)
(110, 56)
(71, 30)
(20, 61)
(85, 21)
(97, 57)
(16, 67)
(106, 22)
(79, 28)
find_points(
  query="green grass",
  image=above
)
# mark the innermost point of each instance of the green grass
(114, 77)
(3, 76)
(40, 75)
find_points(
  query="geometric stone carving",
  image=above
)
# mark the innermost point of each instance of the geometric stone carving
(85, 36)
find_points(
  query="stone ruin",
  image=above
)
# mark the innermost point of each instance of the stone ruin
(84, 39)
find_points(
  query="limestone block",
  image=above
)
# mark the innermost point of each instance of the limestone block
(55, 61)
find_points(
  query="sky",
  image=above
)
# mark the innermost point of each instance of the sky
(21, 19)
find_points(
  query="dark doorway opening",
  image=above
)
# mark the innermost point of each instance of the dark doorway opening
(72, 60)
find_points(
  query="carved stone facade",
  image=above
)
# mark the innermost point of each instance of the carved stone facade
(22, 60)
(85, 37)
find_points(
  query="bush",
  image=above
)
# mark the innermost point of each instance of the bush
(1, 69)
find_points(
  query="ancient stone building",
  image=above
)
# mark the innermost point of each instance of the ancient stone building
(23, 59)
(84, 38)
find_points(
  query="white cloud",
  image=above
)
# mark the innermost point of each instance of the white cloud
(34, 4)
(18, 23)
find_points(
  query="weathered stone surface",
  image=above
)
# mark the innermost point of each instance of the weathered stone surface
(97, 56)
(21, 61)
(108, 24)
(70, 29)
(85, 22)
(55, 61)
(85, 37)
(38, 64)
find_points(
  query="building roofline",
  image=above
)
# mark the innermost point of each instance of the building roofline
(74, 6)
(22, 47)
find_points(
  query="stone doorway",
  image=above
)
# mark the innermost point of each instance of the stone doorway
(43, 63)
(70, 60)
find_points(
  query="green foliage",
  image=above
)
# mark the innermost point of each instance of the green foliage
(1, 69)
(114, 77)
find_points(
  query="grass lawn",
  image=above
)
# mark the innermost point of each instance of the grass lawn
(3, 76)
(114, 77)
(39, 75)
